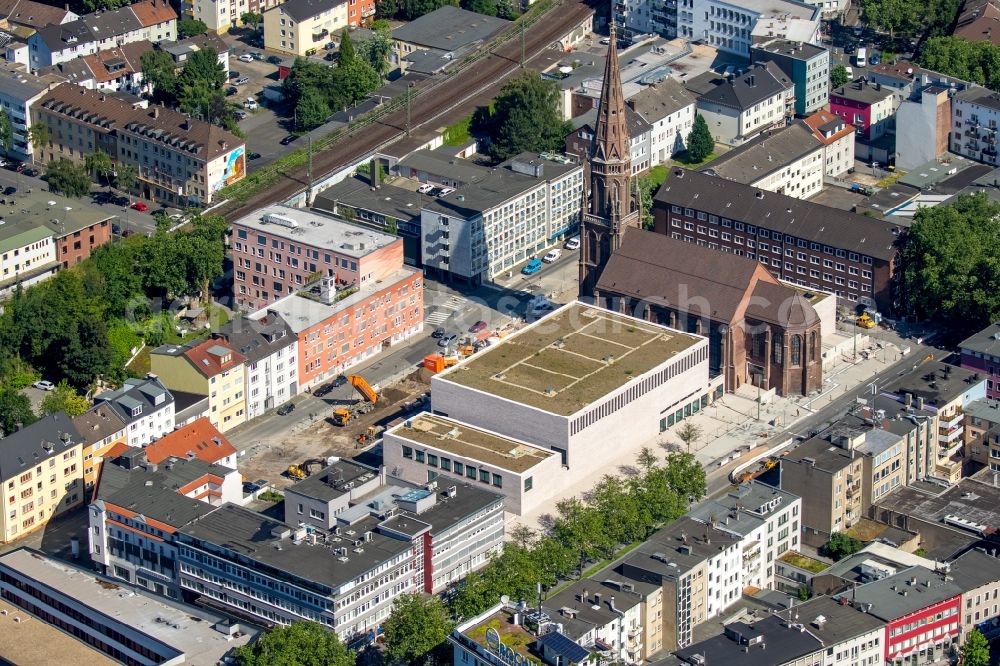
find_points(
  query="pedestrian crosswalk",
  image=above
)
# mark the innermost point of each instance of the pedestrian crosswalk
(439, 313)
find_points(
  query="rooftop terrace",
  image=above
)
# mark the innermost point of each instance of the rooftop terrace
(570, 358)
(464, 440)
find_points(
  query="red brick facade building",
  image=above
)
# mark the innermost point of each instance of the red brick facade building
(75, 246)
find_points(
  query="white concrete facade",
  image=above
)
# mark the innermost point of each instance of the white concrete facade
(582, 437)
(669, 135)
(466, 547)
(272, 381)
(27, 262)
(737, 126)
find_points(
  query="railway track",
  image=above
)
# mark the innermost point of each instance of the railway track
(456, 95)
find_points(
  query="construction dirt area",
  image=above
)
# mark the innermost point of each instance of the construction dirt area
(319, 438)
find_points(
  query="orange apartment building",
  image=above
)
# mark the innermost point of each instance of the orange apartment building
(278, 250)
(338, 327)
(100, 429)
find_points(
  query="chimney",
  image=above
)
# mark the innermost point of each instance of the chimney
(597, 598)
(373, 172)
(156, 112)
(908, 399)
(920, 402)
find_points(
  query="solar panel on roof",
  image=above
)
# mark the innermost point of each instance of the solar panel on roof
(564, 646)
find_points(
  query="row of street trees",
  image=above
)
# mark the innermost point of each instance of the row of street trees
(978, 62)
(901, 17)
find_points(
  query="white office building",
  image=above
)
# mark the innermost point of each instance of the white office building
(270, 348)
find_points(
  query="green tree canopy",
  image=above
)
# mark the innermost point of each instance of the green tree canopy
(377, 50)
(417, 626)
(203, 68)
(700, 143)
(346, 49)
(68, 178)
(158, 69)
(951, 264)
(15, 408)
(126, 177)
(190, 28)
(99, 164)
(839, 76)
(688, 433)
(526, 116)
(64, 398)
(252, 19)
(976, 649)
(485, 7)
(311, 110)
(298, 644)
(841, 545)
(6, 132)
(978, 62)
(891, 15)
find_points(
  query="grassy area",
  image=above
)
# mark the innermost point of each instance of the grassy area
(140, 364)
(803, 562)
(164, 324)
(658, 174)
(458, 134)
(683, 160)
(865, 530)
(511, 635)
(890, 180)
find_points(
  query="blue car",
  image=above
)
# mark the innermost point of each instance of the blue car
(532, 267)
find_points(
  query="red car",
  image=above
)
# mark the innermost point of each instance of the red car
(140, 206)
(478, 326)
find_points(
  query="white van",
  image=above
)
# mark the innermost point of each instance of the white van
(861, 58)
(250, 104)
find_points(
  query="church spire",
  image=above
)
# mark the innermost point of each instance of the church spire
(611, 140)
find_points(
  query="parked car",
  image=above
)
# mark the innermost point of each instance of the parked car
(16, 166)
(9, 190)
(274, 60)
(339, 381)
(44, 385)
(288, 139)
(320, 391)
(253, 156)
(257, 55)
(331, 56)
(478, 326)
(875, 59)
(233, 74)
(438, 333)
(552, 256)
(246, 57)
(573, 243)
(140, 206)
(251, 104)
(286, 409)
(242, 81)
(231, 90)
(532, 267)
(447, 339)
(31, 172)
(240, 115)
(605, 40)
(425, 188)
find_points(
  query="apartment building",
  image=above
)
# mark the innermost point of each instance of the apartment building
(977, 572)
(766, 520)
(921, 609)
(297, 26)
(814, 246)
(278, 250)
(788, 161)
(113, 70)
(101, 429)
(148, 20)
(223, 15)
(869, 107)
(771, 641)
(980, 353)
(669, 109)
(923, 126)
(837, 138)
(580, 140)
(975, 112)
(34, 15)
(18, 91)
(807, 65)
(212, 368)
(458, 529)
(41, 468)
(850, 635)
(501, 217)
(731, 27)
(271, 352)
(198, 439)
(593, 616)
(180, 161)
(146, 407)
(138, 506)
(739, 109)
(829, 481)
(338, 326)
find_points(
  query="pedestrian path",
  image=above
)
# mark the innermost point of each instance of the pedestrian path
(439, 313)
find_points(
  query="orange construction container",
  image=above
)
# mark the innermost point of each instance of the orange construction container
(434, 363)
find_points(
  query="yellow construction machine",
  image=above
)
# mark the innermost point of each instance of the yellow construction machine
(369, 399)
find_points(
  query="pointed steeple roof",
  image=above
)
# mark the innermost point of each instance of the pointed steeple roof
(611, 140)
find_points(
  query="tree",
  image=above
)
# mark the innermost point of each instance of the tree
(485, 7)
(39, 135)
(700, 143)
(951, 264)
(99, 164)
(311, 110)
(527, 117)
(87, 354)
(298, 644)
(63, 398)
(839, 76)
(891, 15)
(6, 132)
(346, 50)
(377, 50)
(252, 19)
(976, 650)
(203, 67)
(417, 626)
(190, 28)
(352, 82)
(841, 545)
(126, 177)
(159, 69)
(688, 433)
(506, 10)
(70, 179)
(803, 593)
(15, 410)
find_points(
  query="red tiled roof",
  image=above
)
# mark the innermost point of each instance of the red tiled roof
(209, 363)
(152, 12)
(127, 54)
(820, 118)
(198, 440)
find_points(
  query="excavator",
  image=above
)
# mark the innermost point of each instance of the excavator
(369, 399)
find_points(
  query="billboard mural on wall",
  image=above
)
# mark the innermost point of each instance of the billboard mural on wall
(234, 170)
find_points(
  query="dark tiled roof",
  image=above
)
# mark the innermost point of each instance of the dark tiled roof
(97, 423)
(986, 341)
(32, 14)
(779, 645)
(859, 91)
(149, 394)
(661, 100)
(46, 438)
(760, 83)
(256, 339)
(894, 596)
(302, 10)
(769, 153)
(449, 28)
(777, 212)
